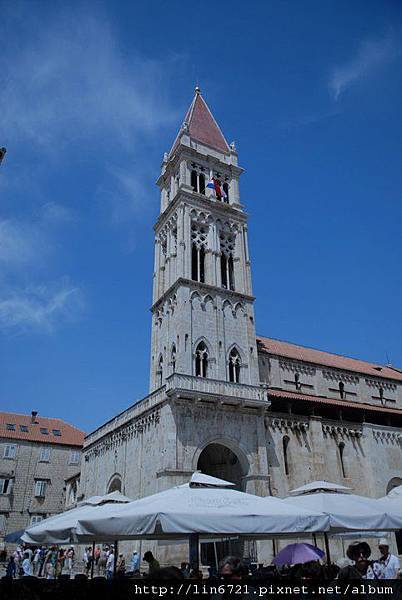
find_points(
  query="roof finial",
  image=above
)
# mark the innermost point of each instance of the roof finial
(197, 90)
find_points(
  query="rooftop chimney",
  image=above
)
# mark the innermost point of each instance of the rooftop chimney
(33, 416)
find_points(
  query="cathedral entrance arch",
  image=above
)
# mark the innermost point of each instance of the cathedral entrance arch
(220, 460)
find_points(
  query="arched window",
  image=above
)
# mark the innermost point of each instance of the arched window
(297, 381)
(227, 244)
(173, 358)
(198, 182)
(234, 366)
(341, 448)
(199, 239)
(159, 372)
(201, 360)
(194, 182)
(226, 190)
(201, 183)
(341, 389)
(285, 444)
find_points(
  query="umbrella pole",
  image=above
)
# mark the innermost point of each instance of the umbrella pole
(115, 558)
(315, 540)
(216, 557)
(194, 552)
(93, 560)
(273, 547)
(327, 548)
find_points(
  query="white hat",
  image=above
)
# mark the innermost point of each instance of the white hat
(383, 542)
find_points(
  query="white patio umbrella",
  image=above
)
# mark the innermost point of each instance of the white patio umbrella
(319, 486)
(60, 528)
(396, 492)
(199, 507)
(347, 511)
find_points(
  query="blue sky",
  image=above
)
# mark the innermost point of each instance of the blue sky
(92, 94)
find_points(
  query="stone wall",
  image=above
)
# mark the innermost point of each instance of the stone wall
(21, 504)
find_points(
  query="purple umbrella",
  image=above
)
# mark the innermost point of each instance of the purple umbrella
(295, 554)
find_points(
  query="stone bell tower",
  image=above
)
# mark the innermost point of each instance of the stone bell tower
(202, 314)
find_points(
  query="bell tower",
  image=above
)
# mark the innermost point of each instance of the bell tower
(203, 330)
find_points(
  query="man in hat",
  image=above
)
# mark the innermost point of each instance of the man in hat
(362, 568)
(152, 562)
(390, 562)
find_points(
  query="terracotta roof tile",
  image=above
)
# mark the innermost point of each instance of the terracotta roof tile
(203, 127)
(58, 432)
(327, 359)
(331, 401)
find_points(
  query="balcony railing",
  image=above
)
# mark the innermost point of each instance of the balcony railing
(204, 387)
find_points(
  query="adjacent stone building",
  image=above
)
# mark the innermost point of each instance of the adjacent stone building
(37, 454)
(265, 414)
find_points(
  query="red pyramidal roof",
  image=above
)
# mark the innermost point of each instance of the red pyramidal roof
(202, 126)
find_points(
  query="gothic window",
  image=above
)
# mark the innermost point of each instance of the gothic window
(341, 449)
(194, 183)
(159, 372)
(227, 267)
(201, 183)
(198, 180)
(297, 381)
(341, 389)
(199, 241)
(234, 366)
(173, 358)
(226, 190)
(285, 444)
(201, 360)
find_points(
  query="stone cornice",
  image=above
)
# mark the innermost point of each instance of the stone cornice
(203, 287)
(200, 201)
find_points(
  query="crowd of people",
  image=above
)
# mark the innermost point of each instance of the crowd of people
(52, 562)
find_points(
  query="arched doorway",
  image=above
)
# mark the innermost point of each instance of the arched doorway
(220, 461)
(115, 484)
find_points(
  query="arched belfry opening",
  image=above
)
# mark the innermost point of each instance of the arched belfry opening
(220, 461)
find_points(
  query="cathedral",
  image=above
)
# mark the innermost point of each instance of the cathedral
(265, 414)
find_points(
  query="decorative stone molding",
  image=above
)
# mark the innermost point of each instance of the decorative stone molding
(296, 367)
(342, 430)
(387, 436)
(129, 430)
(337, 376)
(385, 385)
(282, 424)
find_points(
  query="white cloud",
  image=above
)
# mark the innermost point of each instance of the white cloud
(54, 213)
(371, 55)
(20, 243)
(67, 79)
(40, 308)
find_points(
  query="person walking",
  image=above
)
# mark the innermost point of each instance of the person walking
(70, 560)
(27, 565)
(110, 565)
(121, 565)
(101, 566)
(35, 562)
(11, 569)
(389, 562)
(135, 563)
(152, 562)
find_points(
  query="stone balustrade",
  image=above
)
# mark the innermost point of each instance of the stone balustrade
(181, 385)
